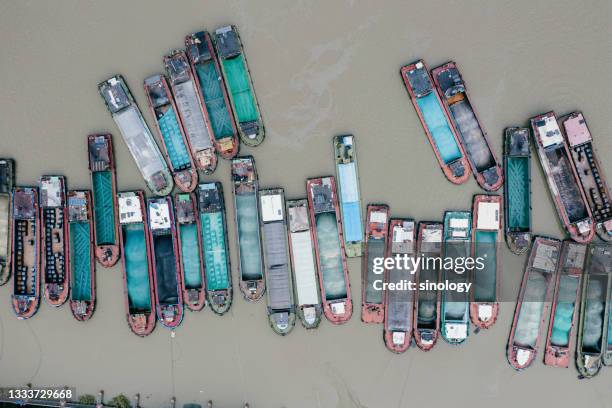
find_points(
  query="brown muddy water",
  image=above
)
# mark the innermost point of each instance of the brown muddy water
(320, 69)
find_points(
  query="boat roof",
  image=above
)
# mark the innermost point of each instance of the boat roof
(159, 214)
(272, 206)
(177, 66)
(7, 175)
(419, 79)
(322, 196)
(24, 204)
(517, 142)
(457, 224)
(228, 42)
(197, 48)
(546, 257)
(156, 91)
(184, 208)
(575, 255)
(52, 192)
(548, 130)
(115, 93)
(77, 206)
(243, 169)
(450, 82)
(488, 215)
(130, 208)
(210, 198)
(577, 130)
(402, 237)
(298, 215)
(99, 152)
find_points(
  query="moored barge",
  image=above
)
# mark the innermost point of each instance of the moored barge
(532, 302)
(427, 302)
(329, 249)
(564, 307)
(136, 134)
(137, 262)
(590, 173)
(239, 85)
(190, 251)
(25, 252)
(246, 209)
(301, 249)
(191, 111)
(376, 238)
(174, 143)
(438, 127)
(486, 238)
(104, 198)
(7, 180)
(348, 193)
(517, 189)
(455, 311)
(211, 86)
(399, 303)
(54, 240)
(168, 275)
(81, 259)
(279, 282)
(566, 191)
(483, 162)
(594, 323)
(211, 206)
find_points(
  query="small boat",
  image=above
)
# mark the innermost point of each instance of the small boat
(25, 252)
(590, 173)
(455, 313)
(190, 250)
(301, 249)
(246, 208)
(104, 198)
(562, 179)
(459, 108)
(137, 262)
(7, 180)
(215, 247)
(279, 282)
(532, 302)
(348, 192)
(54, 239)
(427, 301)
(438, 127)
(191, 111)
(136, 135)
(564, 307)
(211, 86)
(174, 142)
(81, 260)
(594, 324)
(399, 303)
(376, 237)
(329, 249)
(239, 85)
(517, 189)
(168, 275)
(486, 238)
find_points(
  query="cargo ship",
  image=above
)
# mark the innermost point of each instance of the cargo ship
(25, 252)
(376, 238)
(486, 238)
(239, 85)
(348, 193)
(438, 127)
(7, 181)
(211, 86)
(174, 142)
(137, 262)
(54, 240)
(594, 323)
(81, 257)
(590, 173)
(279, 281)
(246, 209)
(517, 189)
(564, 309)
(399, 303)
(459, 108)
(190, 251)
(167, 272)
(136, 135)
(301, 250)
(427, 302)
(455, 313)
(329, 249)
(533, 301)
(215, 247)
(104, 198)
(191, 111)
(562, 179)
